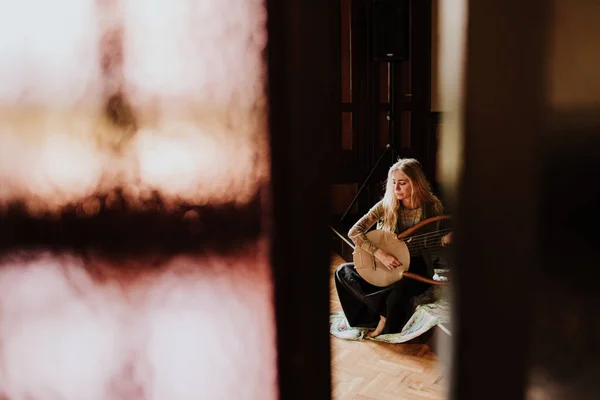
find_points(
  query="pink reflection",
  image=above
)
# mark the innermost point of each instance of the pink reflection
(190, 329)
(146, 96)
(184, 83)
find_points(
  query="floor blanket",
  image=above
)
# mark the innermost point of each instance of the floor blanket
(432, 308)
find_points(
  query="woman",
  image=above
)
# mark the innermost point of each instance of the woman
(407, 201)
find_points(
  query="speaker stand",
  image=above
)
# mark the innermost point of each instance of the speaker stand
(388, 147)
(391, 147)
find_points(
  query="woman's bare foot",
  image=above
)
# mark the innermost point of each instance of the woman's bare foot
(379, 328)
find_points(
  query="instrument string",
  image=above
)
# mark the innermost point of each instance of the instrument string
(441, 231)
(422, 240)
(426, 243)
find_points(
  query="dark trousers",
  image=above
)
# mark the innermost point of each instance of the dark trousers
(363, 303)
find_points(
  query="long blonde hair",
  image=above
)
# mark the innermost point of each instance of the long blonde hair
(421, 192)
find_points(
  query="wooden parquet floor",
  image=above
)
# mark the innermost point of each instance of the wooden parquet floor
(369, 370)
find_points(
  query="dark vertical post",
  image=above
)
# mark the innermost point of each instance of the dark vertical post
(304, 103)
(495, 254)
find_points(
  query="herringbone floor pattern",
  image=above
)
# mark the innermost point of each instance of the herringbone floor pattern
(368, 370)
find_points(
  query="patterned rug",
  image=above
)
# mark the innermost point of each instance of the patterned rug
(430, 311)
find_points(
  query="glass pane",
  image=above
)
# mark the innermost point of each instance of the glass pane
(384, 129)
(347, 131)
(404, 67)
(384, 82)
(341, 196)
(405, 130)
(346, 45)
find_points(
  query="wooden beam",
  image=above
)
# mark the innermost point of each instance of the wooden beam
(304, 99)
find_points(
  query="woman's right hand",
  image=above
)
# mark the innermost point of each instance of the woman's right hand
(387, 259)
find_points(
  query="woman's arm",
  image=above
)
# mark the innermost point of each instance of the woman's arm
(358, 233)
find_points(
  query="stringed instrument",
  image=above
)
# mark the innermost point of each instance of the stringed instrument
(422, 239)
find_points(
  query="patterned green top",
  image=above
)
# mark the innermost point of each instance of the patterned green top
(407, 218)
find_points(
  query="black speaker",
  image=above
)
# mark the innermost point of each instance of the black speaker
(390, 24)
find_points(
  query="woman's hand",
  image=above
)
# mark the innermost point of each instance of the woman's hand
(447, 239)
(387, 259)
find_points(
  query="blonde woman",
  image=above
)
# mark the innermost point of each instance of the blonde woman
(407, 201)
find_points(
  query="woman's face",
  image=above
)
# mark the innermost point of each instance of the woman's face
(401, 184)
